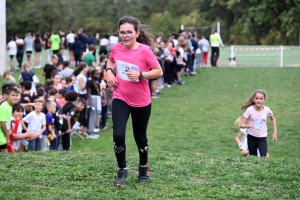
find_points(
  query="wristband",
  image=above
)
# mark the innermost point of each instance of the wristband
(109, 69)
(141, 76)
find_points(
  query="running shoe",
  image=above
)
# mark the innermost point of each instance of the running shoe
(121, 177)
(144, 174)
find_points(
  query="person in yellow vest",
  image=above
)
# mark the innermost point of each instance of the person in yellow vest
(215, 42)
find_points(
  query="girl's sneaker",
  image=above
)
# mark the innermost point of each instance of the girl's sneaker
(121, 177)
(144, 174)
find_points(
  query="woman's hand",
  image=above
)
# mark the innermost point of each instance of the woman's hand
(111, 80)
(133, 75)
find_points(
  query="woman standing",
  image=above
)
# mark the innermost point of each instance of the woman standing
(37, 41)
(47, 45)
(12, 51)
(132, 59)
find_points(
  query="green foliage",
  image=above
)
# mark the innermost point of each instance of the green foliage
(242, 22)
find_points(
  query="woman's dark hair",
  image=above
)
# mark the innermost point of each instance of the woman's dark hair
(39, 85)
(145, 36)
(37, 35)
(80, 67)
(11, 38)
(48, 84)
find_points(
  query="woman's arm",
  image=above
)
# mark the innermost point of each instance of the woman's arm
(274, 127)
(81, 84)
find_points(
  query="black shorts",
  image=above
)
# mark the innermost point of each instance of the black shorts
(55, 51)
(28, 53)
(38, 49)
(11, 57)
(179, 67)
(103, 50)
(70, 46)
(3, 146)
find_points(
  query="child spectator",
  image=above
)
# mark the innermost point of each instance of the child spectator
(72, 113)
(69, 84)
(94, 101)
(63, 83)
(256, 113)
(40, 94)
(10, 95)
(59, 68)
(37, 124)
(19, 140)
(49, 67)
(61, 98)
(26, 98)
(56, 81)
(60, 55)
(7, 75)
(50, 131)
(67, 71)
(12, 51)
(28, 75)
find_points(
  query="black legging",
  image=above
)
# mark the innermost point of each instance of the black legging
(20, 58)
(255, 143)
(213, 58)
(77, 58)
(168, 73)
(83, 117)
(140, 117)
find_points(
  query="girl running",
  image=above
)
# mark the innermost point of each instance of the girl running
(132, 59)
(256, 114)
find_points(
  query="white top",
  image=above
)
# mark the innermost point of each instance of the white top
(175, 42)
(113, 40)
(244, 141)
(12, 48)
(28, 43)
(182, 55)
(76, 85)
(16, 143)
(35, 122)
(71, 38)
(104, 42)
(205, 45)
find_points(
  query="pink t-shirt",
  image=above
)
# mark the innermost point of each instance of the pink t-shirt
(136, 94)
(259, 119)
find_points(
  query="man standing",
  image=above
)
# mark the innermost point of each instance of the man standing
(55, 42)
(215, 42)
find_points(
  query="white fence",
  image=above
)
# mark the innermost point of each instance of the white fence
(261, 56)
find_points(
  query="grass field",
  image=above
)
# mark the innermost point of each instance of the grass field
(192, 150)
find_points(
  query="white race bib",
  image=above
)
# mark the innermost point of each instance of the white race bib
(123, 67)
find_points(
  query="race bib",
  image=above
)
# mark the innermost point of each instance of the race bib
(123, 67)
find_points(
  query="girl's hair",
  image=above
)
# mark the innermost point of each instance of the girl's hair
(102, 57)
(53, 75)
(238, 121)
(26, 67)
(78, 69)
(145, 36)
(39, 85)
(250, 101)
(48, 84)
(62, 92)
(52, 92)
(62, 79)
(68, 80)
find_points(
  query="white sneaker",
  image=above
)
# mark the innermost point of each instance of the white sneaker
(96, 130)
(91, 137)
